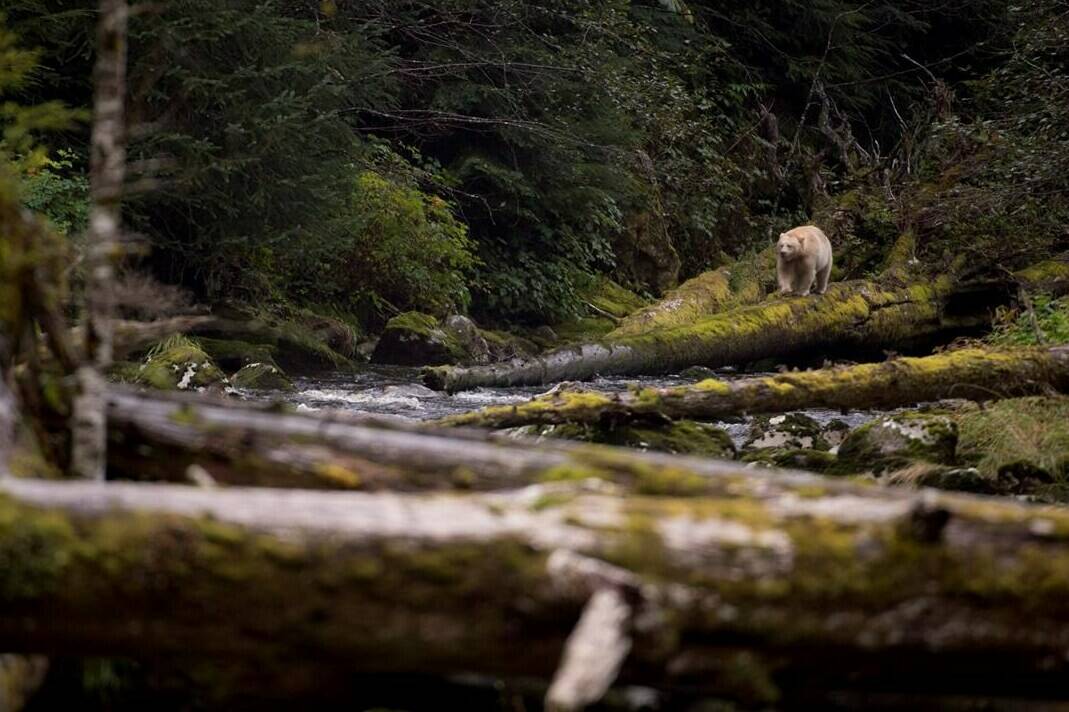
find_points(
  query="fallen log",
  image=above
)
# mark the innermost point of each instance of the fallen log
(773, 590)
(161, 436)
(851, 315)
(977, 374)
(708, 293)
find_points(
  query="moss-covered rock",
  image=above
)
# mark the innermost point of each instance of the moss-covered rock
(682, 437)
(504, 346)
(607, 297)
(960, 479)
(793, 458)
(261, 376)
(417, 339)
(232, 354)
(795, 431)
(179, 363)
(894, 442)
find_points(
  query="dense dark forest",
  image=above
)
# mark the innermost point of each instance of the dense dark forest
(440, 354)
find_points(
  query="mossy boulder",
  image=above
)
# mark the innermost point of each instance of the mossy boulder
(417, 339)
(232, 354)
(959, 479)
(179, 363)
(682, 437)
(894, 442)
(261, 377)
(793, 458)
(793, 431)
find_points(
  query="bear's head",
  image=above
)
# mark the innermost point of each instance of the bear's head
(788, 247)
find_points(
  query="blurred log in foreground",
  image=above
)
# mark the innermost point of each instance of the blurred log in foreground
(764, 588)
(979, 374)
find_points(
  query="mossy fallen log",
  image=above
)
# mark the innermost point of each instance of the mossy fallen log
(161, 437)
(774, 589)
(851, 315)
(703, 295)
(975, 373)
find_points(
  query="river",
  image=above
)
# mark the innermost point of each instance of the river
(397, 391)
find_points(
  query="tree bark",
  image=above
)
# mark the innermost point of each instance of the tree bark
(774, 588)
(160, 437)
(9, 417)
(978, 374)
(107, 168)
(851, 315)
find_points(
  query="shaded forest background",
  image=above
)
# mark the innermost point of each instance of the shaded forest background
(364, 158)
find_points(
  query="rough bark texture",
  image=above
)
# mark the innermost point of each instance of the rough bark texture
(160, 437)
(107, 169)
(978, 374)
(768, 588)
(851, 315)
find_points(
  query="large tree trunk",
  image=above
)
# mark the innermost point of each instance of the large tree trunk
(107, 170)
(979, 374)
(852, 315)
(767, 588)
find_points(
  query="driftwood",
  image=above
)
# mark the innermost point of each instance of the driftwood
(978, 374)
(851, 315)
(766, 588)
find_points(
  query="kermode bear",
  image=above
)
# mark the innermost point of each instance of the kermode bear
(803, 255)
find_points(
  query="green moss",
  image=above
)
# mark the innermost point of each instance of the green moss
(609, 297)
(178, 363)
(414, 322)
(232, 354)
(679, 437)
(797, 459)
(34, 554)
(262, 376)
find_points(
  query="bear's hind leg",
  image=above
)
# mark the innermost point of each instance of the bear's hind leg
(822, 278)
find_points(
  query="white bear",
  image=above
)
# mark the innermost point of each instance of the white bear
(803, 256)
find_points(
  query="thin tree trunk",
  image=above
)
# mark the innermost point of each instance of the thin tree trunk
(107, 167)
(770, 590)
(979, 374)
(8, 417)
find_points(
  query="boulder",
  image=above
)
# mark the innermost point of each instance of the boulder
(261, 377)
(179, 363)
(417, 339)
(794, 431)
(793, 458)
(894, 442)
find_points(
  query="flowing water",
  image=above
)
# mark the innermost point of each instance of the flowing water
(397, 391)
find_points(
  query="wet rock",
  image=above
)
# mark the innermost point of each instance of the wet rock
(232, 354)
(835, 433)
(894, 442)
(1023, 477)
(683, 437)
(180, 364)
(793, 458)
(469, 337)
(261, 376)
(417, 339)
(794, 431)
(365, 348)
(697, 373)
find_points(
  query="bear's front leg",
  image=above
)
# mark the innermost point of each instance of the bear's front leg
(784, 277)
